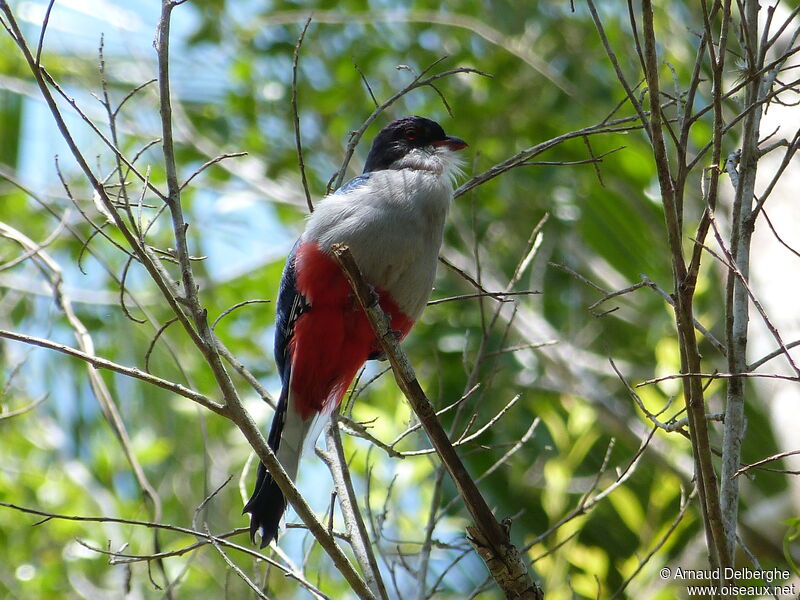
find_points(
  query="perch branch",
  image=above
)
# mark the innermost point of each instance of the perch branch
(489, 537)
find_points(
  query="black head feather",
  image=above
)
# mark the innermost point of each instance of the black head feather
(402, 136)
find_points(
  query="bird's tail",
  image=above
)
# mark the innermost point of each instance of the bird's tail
(267, 504)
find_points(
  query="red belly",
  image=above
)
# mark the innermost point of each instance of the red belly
(333, 338)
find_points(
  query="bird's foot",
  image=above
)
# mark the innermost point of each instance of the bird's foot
(373, 300)
(381, 355)
(374, 297)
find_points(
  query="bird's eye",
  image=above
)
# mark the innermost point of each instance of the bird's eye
(411, 136)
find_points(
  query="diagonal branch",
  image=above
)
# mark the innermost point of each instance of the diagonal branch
(490, 538)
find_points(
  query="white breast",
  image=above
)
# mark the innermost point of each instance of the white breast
(393, 224)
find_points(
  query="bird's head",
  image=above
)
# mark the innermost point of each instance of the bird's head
(415, 143)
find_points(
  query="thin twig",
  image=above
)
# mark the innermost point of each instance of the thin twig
(10, 414)
(774, 354)
(356, 530)
(685, 503)
(764, 461)
(45, 21)
(521, 158)
(103, 363)
(500, 296)
(208, 163)
(296, 116)
(228, 311)
(236, 569)
(712, 376)
(417, 82)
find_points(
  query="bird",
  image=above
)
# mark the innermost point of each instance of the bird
(392, 218)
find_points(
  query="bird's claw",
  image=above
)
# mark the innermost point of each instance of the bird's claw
(374, 297)
(379, 355)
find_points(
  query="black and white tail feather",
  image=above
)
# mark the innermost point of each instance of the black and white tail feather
(267, 504)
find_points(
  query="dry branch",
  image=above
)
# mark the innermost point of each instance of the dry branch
(489, 537)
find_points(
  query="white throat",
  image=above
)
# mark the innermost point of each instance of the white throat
(437, 159)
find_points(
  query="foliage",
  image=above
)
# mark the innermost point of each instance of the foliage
(593, 490)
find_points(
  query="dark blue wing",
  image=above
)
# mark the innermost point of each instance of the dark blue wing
(355, 182)
(267, 504)
(290, 306)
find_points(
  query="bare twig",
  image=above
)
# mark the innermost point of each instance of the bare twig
(45, 21)
(781, 241)
(736, 271)
(236, 569)
(204, 537)
(10, 414)
(764, 461)
(464, 438)
(439, 412)
(417, 82)
(208, 163)
(366, 84)
(102, 363)
(356, 530)
(590, 499)
(229, 310)
(685, 503)
(775, 353)
(296, 116)
(646, 281)
(524, 156)
(500, 296)
(717, 375)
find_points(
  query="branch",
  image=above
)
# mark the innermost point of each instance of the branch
(737, 289)
(103, 363)
(296, 116)
(524, 156)
(143, 254)
(490, 539)
(204, 538)
(617, 69)
(356, 530)
(10, 414)
(52, 271)
(685, 502)
(764, 461)
(194, 319)
(684, 298)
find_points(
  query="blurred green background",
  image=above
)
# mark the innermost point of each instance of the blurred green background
(231, 76)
